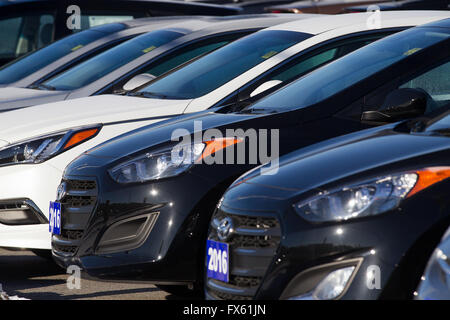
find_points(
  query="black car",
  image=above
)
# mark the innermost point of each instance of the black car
(355, 217)
(137, 206)
(26, 25)
(403, 5)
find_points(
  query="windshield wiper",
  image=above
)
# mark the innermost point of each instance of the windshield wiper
(145, 94)
(258, 110)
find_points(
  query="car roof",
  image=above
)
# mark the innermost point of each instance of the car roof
(330, 22)
(206, 25)
(204, 21)
(181, 4)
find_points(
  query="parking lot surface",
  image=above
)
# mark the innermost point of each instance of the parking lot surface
(28, 276)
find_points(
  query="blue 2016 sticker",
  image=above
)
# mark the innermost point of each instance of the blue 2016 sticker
(217, 260)
(54, 217)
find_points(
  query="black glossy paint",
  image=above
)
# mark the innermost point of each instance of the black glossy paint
(174, 250)
(399, 241)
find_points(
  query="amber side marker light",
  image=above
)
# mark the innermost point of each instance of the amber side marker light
(428, 177)
(215, 145)
(80, 137)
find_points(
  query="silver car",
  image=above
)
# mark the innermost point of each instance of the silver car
(42, 64)
(141, 59)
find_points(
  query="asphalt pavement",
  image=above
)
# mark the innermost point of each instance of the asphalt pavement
(28, 276)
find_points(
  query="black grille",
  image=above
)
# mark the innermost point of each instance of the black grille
(65, 249)
(80, 185)
(78, 201)
(72, 234)
(77, 206)
(252, 245)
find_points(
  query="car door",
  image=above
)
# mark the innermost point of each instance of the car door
(433, 80)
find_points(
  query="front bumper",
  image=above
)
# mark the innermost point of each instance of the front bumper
(35, 184)
(150, 232)
(388, 251)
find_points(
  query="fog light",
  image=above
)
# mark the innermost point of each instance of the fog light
(331, 287)
(20, 212)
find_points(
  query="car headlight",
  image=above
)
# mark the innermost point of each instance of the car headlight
(168, 162)
(369, 198)
(42, 148)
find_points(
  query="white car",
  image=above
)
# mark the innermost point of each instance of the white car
(37, 143)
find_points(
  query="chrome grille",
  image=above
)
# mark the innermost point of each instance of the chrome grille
(252, 245)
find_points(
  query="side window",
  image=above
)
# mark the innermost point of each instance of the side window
(23, 34)
(319, 58)
(9, 33)
(305, 63)
(436, 83)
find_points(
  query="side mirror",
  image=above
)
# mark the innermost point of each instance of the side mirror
(399, 104)
(265, 86)
(138, 81)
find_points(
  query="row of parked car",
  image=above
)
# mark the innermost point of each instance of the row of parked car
(269, 156)
(27, 25)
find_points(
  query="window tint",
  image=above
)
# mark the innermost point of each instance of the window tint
(36, 60)
(108, 61)
(307, 64)
(23, 34)
(9, 33)
(435, 82)
(215, 69)
(348, 70)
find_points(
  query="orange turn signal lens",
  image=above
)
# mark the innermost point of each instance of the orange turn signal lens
(428, 177)
(215, 145)
(80, 137)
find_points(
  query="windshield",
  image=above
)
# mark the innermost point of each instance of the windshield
(217, 68)
(36, 60)
(110, 60)
(348, 70)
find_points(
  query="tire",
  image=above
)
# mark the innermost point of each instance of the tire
(182, 291)
(42, 253)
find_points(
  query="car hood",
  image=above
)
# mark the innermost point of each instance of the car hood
(14, 98)
(149, 137)
(103, 109)
(330, 161)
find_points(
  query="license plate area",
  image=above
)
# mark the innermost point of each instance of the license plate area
(54, 218)
(218, 260)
